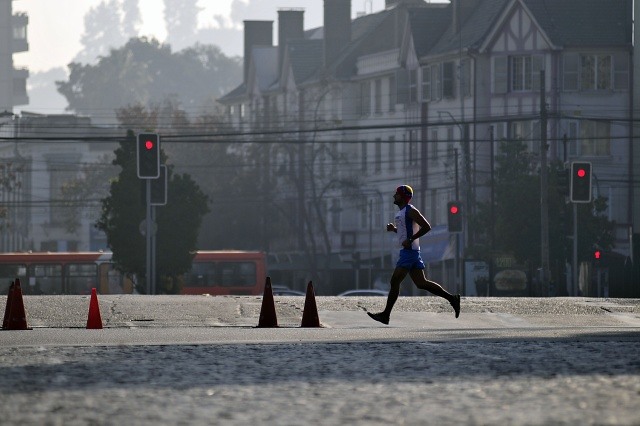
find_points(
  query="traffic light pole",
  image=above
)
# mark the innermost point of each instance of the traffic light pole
(574, 265)
(149, 273)
(544, 190)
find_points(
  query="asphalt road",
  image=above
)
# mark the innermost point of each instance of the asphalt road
(201, 360)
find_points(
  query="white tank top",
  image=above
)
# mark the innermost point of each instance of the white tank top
(407, 227)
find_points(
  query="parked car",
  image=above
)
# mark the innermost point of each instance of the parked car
(281, 290)
(364, 292)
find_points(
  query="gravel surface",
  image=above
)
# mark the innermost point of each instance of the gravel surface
(509, 382)
(200, 361)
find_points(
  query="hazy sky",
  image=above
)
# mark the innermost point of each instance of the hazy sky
(55, 26)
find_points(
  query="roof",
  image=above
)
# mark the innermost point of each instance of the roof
(584, 22)
(568, 23)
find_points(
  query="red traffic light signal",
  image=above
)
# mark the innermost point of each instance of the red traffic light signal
(597, 254)
(580, 182)
(148, 150)
(454, 216)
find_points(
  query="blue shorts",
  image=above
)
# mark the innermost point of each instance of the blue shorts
(410, 259)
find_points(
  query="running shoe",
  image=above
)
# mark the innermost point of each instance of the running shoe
(381, 317)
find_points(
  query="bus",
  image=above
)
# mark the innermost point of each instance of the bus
(212, 272)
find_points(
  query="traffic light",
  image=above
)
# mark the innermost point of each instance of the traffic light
(597, 254)
(148, 155)
(580, 182)
(159, 188)
(454, 216)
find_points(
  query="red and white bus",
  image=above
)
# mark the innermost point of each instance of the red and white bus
(212, 272)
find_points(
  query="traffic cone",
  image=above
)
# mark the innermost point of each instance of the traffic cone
(17, 318)
(94, 321)
(268, 310)
(310, 316)
(7, 309)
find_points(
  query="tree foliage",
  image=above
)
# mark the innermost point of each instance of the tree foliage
(517, 213)
(177, 223)
(146, 72)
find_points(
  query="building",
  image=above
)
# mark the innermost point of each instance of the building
(421, 93)
(44, 162)
(13, 39)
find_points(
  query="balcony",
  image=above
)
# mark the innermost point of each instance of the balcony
(19, 42)
(20, 76)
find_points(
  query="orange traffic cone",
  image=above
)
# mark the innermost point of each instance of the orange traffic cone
(268, 310)
(17, 318)
(94, 321)
(7, 309)
(310, 316)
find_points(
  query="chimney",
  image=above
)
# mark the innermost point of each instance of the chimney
(256, 33)
(337, 28)
(290, 27)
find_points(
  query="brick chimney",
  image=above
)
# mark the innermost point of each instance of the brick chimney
(337, 28)
(256, 33)
(290, 27)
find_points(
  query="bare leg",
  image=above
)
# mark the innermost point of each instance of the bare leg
(398, 276)
(421, 281)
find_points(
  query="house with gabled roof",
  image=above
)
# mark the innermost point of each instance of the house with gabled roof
(417, 93)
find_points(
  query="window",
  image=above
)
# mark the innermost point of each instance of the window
(413, 86)
(436, 83)
(595, 72)
(392, 153)
(571, 132)
(434, 145)
(621, 71)
(448, 80)
(378, 96)
(378, 155)
(412, 154)
(528, 132)
(393, 93)
(365, 98)
(61, 173)
(450, 143)
(595, 138)
(426, 84)
(523, 72)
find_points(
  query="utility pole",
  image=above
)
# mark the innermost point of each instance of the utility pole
(544, 190)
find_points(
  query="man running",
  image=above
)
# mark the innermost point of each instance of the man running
(410, 225)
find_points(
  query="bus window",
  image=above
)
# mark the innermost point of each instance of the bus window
(46, 279)
(81, 277)
(9, 273)
(237, 274)
(202, 274)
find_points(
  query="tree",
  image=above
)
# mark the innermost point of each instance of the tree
(177, 223)
(181, 17)
(92, 182)
(146, 72)
(102, 30)
(517, 217)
